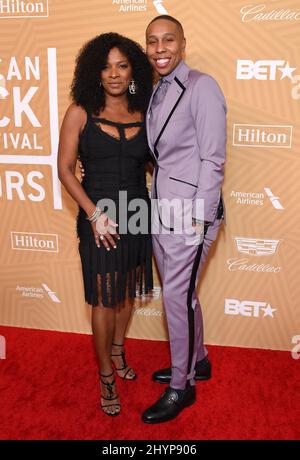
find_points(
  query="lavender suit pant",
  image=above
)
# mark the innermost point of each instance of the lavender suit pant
(180, 266)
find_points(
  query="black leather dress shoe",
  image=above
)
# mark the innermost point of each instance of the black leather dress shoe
(169, 405)
(202, 368)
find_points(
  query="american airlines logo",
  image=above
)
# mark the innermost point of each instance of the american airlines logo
(275, 136)
(51, 294)
(256, 198)
(138, 6)
(274, 199)
(249, 308)
(279, 69)
(44, 242)
(38, 292)
(158, 4)
(23, 9)
(256, 246)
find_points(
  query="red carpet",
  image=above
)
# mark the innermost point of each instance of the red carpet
(49, 390)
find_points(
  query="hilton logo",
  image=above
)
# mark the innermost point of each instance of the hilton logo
(23, 9)
(44, 242)
(262, 136)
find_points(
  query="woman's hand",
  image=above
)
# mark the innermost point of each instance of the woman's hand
(105, 232)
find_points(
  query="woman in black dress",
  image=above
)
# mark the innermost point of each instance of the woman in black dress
(104, 126)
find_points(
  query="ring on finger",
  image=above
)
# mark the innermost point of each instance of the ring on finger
(101, 237)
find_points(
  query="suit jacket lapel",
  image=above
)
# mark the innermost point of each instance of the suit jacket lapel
(172, 99)
(170, 102)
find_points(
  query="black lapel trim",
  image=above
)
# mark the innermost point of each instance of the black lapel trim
(172, 111)
(179, 83)
(153, 155)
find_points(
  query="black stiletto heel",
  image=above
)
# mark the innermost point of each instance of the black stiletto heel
(112, 396)
(121, 370)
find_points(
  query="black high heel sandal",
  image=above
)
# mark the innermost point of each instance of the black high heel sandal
(120, 370)
(112, 396)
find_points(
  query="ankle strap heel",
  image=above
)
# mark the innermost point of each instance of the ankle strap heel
(112, 396)
(124, 371)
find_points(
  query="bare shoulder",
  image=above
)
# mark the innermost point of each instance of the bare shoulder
(75, 115)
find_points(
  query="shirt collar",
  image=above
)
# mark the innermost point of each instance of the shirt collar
(169, 78)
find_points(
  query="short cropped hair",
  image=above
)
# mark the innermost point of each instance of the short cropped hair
(168, 18)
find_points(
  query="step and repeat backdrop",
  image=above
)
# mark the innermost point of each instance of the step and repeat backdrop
(251, 286)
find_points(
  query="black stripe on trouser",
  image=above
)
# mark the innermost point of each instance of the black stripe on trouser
(191, 313)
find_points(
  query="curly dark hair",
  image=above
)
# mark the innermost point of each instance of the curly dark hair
(92, 59)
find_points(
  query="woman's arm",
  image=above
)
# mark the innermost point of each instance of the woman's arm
(73, 123)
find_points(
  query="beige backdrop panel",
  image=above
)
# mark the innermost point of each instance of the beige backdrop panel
(250, 287)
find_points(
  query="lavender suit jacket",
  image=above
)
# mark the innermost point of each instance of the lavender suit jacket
(190, 143)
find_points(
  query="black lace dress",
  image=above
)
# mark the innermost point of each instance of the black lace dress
(115, 170)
